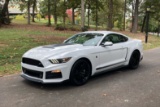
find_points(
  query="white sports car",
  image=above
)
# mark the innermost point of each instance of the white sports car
(81, 56)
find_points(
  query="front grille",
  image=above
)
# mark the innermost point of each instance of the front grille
(50, 75)
(32, 62)
(33, 73)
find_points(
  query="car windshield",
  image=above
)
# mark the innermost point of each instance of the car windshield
(86, 39)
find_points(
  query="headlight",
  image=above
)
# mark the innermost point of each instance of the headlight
(61, 60)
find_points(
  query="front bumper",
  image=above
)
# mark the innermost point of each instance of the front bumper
(44, 75)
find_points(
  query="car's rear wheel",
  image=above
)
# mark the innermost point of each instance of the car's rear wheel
(80, 73)
(134, 60)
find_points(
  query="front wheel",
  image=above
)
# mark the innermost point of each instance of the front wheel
(80, 72)
(134, 60)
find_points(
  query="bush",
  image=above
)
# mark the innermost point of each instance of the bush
(71, 27)
(20, 17)
(60, 27)
(85, 28)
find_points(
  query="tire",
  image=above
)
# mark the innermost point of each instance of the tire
(80, 72)
(134, 60)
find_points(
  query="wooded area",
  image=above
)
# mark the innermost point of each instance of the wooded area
(122, 14)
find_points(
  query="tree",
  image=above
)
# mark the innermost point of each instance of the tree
(4, 13)
(33, 10)
(82, 15)
(124, 17)
(73, 4)
(135, 17)
(110, 15)
(27, 4)
(55, 12)
(28, 10)
(64, 13)
(49, 13)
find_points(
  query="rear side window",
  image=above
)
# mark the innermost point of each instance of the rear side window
(114, 38)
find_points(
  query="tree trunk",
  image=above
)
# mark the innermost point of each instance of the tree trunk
(88, 15)
(82, 15)
(28, 8)
(55, 12)
(135, 23)
(158, 29)
(33, 10)
(110, 15)
(124, 20)
(64, 13)
(49, 13)
(73, 18)
(132, 16)
(96, 14)
(5, 13)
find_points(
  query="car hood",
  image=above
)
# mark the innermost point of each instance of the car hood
(56, 50)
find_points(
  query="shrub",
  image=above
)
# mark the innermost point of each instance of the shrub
(60, 27)
(20, 17)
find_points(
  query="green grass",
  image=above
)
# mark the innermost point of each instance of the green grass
(14, 42)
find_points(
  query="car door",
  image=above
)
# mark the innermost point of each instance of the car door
(112, 55)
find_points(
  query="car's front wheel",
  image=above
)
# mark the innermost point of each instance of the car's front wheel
(80, 72)
(134, 60)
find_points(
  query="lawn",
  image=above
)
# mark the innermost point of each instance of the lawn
(16, 39)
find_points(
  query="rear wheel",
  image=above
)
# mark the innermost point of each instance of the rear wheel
(80, 72)
(134, 60)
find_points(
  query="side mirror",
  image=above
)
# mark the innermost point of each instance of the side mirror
(107, 44)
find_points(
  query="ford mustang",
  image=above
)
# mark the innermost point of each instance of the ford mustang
(80, 57)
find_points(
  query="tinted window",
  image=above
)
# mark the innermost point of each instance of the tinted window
(114, 38)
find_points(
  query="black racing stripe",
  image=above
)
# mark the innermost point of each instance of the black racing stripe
(57, 45)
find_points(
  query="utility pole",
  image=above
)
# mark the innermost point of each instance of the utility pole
(147, 24)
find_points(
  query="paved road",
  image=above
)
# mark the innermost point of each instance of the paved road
(120, 88)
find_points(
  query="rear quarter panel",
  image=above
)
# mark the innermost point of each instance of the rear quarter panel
(134, 44)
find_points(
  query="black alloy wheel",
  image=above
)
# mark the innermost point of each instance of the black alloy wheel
(80, 73)
(134, 60)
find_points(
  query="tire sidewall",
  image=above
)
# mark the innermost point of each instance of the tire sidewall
(130, 61)
(72, 72)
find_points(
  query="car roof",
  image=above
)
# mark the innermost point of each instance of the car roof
(103, 32)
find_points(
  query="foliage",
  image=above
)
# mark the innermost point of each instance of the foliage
(20, 17)
(38, 16)
(70, 27)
